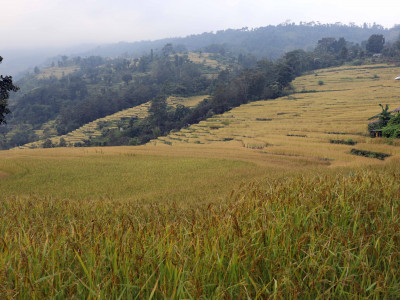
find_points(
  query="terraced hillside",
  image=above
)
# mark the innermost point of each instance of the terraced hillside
(60, 71)
(206, 59)
(331, 105)
(93, 129)
(57, 72)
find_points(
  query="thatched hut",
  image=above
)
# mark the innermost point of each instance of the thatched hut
(374, 130)
(397, 110)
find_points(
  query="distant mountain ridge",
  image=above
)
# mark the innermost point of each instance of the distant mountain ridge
(268, 41)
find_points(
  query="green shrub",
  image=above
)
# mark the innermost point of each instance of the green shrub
(134, 141)
(371, 154)
(225, 122)
(345, 142)
(392, 130)
(62, 143)
(48, 144)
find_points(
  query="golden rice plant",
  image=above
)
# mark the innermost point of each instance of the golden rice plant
(327, 235)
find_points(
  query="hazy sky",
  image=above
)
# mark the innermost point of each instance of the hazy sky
(27, 23)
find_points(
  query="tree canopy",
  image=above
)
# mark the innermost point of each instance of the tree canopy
(6, 86)
(375, 43)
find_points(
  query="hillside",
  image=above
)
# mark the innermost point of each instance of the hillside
(57, 100)
(329, 105)
(253, 203)
(300, 127)
(94, 129)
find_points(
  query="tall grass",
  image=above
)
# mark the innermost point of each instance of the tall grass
(307, 236)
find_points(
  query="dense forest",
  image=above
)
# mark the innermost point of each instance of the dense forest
(93, 87)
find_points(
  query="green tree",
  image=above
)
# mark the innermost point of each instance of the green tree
(48, 144)
(21, 135)
(63, 143)
(375, 43)
(285, 74)
(297, 61)
(126, 78)
(158, 111)
(396, 45)
(385, 115)
(392, 130)
(344, 53)
(167, 50)
(6, 86)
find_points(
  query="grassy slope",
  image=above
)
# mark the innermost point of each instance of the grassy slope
(90, 222)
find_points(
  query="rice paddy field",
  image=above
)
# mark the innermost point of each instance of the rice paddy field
(303, 124)
(256, 203)
(205, 58)
(93, 129)
(57, 72)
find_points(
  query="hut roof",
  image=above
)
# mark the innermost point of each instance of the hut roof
(374, 122)
(396, 110)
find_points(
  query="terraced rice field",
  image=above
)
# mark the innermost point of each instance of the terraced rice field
(92, 129)
(203, 58)
(58, 72)
(302, 124)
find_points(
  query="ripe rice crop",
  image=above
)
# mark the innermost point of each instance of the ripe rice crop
(303, 124)
(316, 237)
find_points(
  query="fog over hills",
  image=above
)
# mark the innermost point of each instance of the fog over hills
(269, 41)
(17, 61)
